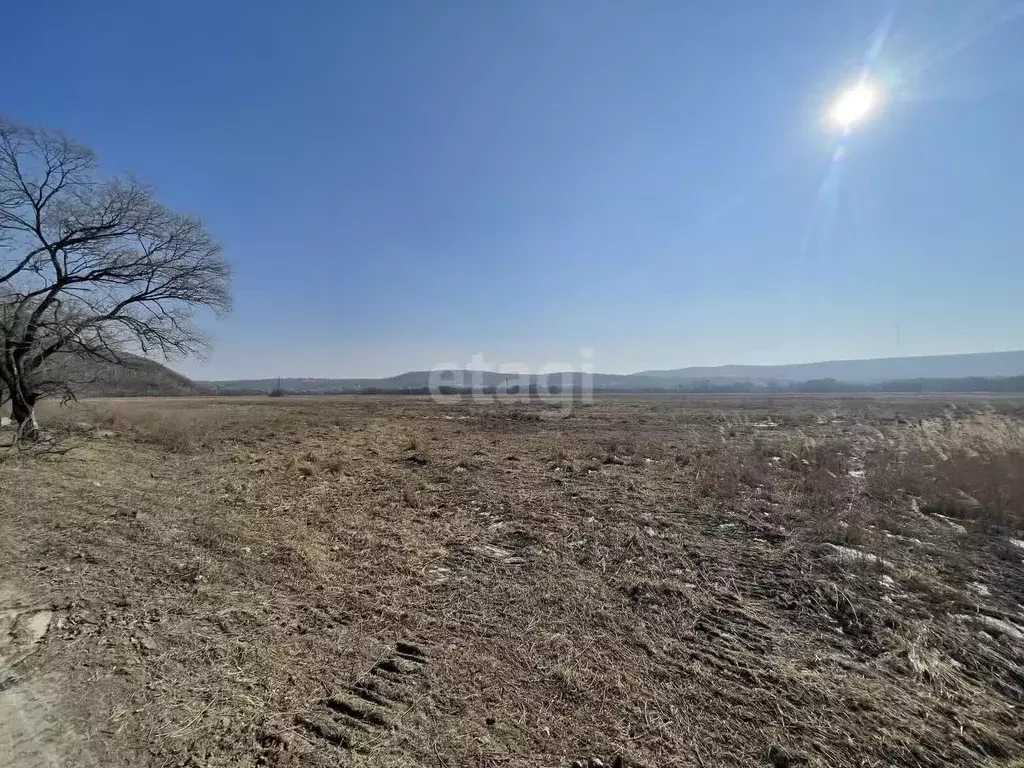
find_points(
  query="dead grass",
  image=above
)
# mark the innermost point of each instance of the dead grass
(395, 581)
(984, 486)
(179, 431)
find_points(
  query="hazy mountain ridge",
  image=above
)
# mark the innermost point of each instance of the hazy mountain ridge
(877, 371)
(981, 372)
(869, 371)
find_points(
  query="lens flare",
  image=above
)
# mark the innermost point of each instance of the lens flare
(854, 105)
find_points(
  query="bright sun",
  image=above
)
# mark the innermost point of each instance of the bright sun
(854, 105)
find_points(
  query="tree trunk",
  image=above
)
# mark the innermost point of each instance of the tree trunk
(23, 414)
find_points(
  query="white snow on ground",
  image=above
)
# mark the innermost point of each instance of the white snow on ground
(997, 626)
(979, 589)
(849, 555)
(951, 523)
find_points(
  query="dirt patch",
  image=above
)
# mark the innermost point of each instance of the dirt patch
(33, 731)
(31, 735)
(22, 629)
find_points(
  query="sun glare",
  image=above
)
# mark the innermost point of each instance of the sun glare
(854, 105)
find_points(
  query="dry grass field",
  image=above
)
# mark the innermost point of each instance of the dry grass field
(635, 581)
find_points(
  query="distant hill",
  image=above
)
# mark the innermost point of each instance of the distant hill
(982, 372)
(877, 370)
(916, 374)
(136, 376)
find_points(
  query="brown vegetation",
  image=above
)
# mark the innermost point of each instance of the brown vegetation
(653, 581)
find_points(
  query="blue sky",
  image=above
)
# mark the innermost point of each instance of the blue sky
(405, 184)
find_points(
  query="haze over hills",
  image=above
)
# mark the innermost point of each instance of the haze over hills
(857, 372)
(872, 371)
(988, 371)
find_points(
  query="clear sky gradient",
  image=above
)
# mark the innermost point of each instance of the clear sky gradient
(405, 184)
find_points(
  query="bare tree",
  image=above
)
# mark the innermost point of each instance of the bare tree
(91, 266)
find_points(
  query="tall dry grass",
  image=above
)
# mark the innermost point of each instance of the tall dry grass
(174, 430)
(972, 469)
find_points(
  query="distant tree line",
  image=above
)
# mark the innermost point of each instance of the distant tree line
(971, 384)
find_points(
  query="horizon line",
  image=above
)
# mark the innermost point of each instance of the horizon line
(645, 372)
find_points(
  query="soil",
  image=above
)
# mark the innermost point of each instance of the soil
(33, 733)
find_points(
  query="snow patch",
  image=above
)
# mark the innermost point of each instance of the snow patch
(998, 626)
(979, 589)
(850, 555)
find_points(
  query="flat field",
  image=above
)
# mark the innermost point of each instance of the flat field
(395, 581)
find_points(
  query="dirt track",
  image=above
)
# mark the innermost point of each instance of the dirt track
(33, 733)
